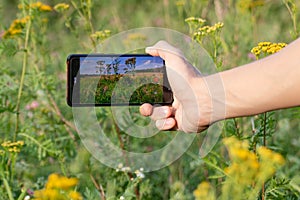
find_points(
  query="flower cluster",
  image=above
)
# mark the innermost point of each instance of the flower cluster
(60, 7)
(204, 191)
(139, 172)
(267, 48)
(121, 168)
(13, 147)
(101, 35)
(244, 163)
(194, 23)
(246, 173)
(58, 187)
(248, 170)
(269, 162)
(16, 27)
(208, 30)
(195, 20)
(39, 6)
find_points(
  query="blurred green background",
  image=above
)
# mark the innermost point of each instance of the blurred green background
(38, 114)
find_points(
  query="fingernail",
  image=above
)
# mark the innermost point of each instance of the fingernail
(161, 124)
(160, 113)
(146, 109)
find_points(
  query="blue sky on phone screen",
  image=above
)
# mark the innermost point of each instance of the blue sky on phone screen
(91, 65)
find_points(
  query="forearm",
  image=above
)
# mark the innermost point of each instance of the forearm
(268, 84)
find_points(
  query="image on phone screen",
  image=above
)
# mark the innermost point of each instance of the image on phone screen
(99, 80)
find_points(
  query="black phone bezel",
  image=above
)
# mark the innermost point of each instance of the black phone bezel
(73, 65)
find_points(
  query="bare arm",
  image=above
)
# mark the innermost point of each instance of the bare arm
(267, 84)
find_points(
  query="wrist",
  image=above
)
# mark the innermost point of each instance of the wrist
(210, 98)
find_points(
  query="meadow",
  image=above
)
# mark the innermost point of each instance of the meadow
(41, 153)
(106, 84)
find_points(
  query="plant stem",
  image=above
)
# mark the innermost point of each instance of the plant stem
(87, 16)
(293, 17)
(264, 144)
(8, 189)
(23, 194)
(264, 133)
(24, 63)
(237, 128)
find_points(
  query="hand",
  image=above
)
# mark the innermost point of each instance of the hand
(192, 106)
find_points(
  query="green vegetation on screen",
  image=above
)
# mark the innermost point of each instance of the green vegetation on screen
(40, 147)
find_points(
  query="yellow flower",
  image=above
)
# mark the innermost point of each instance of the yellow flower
(61, 7)
(248, 171)
(101, 35)
(262, 44)
(270, 156)
(58, 187)
(13, 147)
(204, 191)
(36, 6)
(44, 194)
(208, 30)
(14, 150)
(52, 181)
(60, 182)
(73, 195)
(16, 27)
(195, 20)
(45, 8)
(267, 48)
(20, 143)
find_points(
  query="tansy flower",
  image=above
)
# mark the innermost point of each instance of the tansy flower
(101, 35)
(267, 48)
(58, 187)
(208, 30)
(195, 20)
(60, 182)
(75, 195)
(36, 6)
(16, 27)
(61, 7)
(13, 147)
(248, 171)
(204, 191)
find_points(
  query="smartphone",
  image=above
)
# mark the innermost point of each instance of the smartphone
(111, 79)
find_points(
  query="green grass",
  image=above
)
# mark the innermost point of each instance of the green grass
(38, 114)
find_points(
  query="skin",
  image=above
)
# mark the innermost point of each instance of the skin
(267, 84)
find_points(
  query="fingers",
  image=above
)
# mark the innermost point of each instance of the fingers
(164, 50)
(146, 109)
(162, 115)
(155, 113)
(165, 124)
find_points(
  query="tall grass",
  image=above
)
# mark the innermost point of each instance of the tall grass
(38, 137)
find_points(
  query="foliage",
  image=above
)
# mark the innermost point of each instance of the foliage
(38, 136)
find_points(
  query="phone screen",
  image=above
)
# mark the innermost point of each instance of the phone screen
(131, 79)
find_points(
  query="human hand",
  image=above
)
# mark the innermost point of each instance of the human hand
(191, 110)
